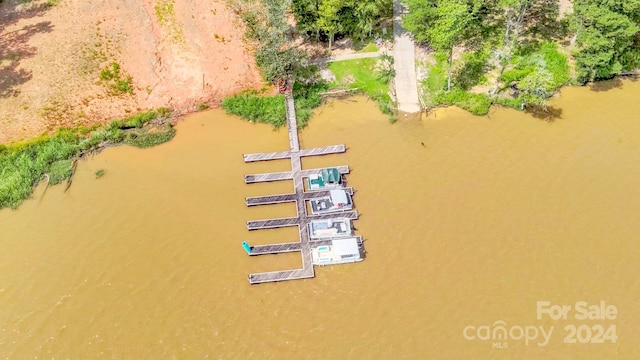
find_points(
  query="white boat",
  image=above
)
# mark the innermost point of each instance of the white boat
(330, 228)
(338, 200)
(341, 251)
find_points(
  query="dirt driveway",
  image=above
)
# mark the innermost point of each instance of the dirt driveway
(177, 53)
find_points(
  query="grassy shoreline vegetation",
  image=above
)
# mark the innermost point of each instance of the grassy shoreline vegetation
(513, 53)
(540, 65)
(370, 76)
(256, 107)
(52, 157)
(280, 60)
(519, 53)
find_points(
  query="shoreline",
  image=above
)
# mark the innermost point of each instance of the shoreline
(178, 114)
(54, 157)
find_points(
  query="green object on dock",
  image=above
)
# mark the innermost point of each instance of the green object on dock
(246, 247)
(331, 176)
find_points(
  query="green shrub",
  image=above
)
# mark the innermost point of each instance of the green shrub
(531, 59)
(509, 102)
(142, 139)
(271, 110)
(139, 119)
(255, 108)
(557, 64)
(515, 74)
(436, 80)
(545, 56)
(110, 72)
(307, 98)
(472, 71)
(477, 104)
(119, 83)
(383, 69)
(124, 85)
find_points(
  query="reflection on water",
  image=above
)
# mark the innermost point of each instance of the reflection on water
(467, 220)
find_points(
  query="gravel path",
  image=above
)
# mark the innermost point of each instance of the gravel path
(404, 64)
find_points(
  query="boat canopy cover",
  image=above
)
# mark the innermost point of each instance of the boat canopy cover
(338, 196)
(348, 246)
(316, 180)
(331, 175)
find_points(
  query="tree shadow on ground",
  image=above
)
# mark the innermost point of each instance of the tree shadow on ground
(606, 85)
(632, 77)
(548, 113)
(14, 47)
(615, 83)
(12, 11)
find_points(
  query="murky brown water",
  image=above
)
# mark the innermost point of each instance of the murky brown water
(468, 220)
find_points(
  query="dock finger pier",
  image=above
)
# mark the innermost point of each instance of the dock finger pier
(324, 228)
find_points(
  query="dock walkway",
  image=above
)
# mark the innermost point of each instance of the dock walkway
(404, 64)
(284, 198)
(292, 221)
(302, 219)
(288, 175)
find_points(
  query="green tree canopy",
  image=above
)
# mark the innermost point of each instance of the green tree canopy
(328, 19)
(332, 17)
(444, 24)
(266, 23)
(606, 37)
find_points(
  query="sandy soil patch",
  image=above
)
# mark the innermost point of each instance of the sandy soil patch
(178, 54)
(566, 7)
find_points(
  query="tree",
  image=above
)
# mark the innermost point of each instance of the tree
(605, 37)
(513, 16)
(523, 21)
(306, 15)
(266, 23)
(444, 24)
(368, 13)
(331, 17)
(537, 87)
(328, 19)
(450, 30)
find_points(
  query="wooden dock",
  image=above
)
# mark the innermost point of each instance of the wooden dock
(283, 275)
(292, 221)
(326, 150)
(284, 198)
(289, 175)
(299, 196)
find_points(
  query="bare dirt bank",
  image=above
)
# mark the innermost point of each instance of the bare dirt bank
(178, 54)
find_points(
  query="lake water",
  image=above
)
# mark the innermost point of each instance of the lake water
(469, 223)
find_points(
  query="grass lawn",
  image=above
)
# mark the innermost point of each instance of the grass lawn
(359, 74)
(370, 47)
(360, 71)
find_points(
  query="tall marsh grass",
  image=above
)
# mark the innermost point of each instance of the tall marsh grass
(24, 165)
(255, 107)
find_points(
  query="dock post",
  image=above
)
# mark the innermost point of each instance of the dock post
(246, 247)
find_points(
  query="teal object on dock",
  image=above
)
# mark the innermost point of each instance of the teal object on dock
(246, 247)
